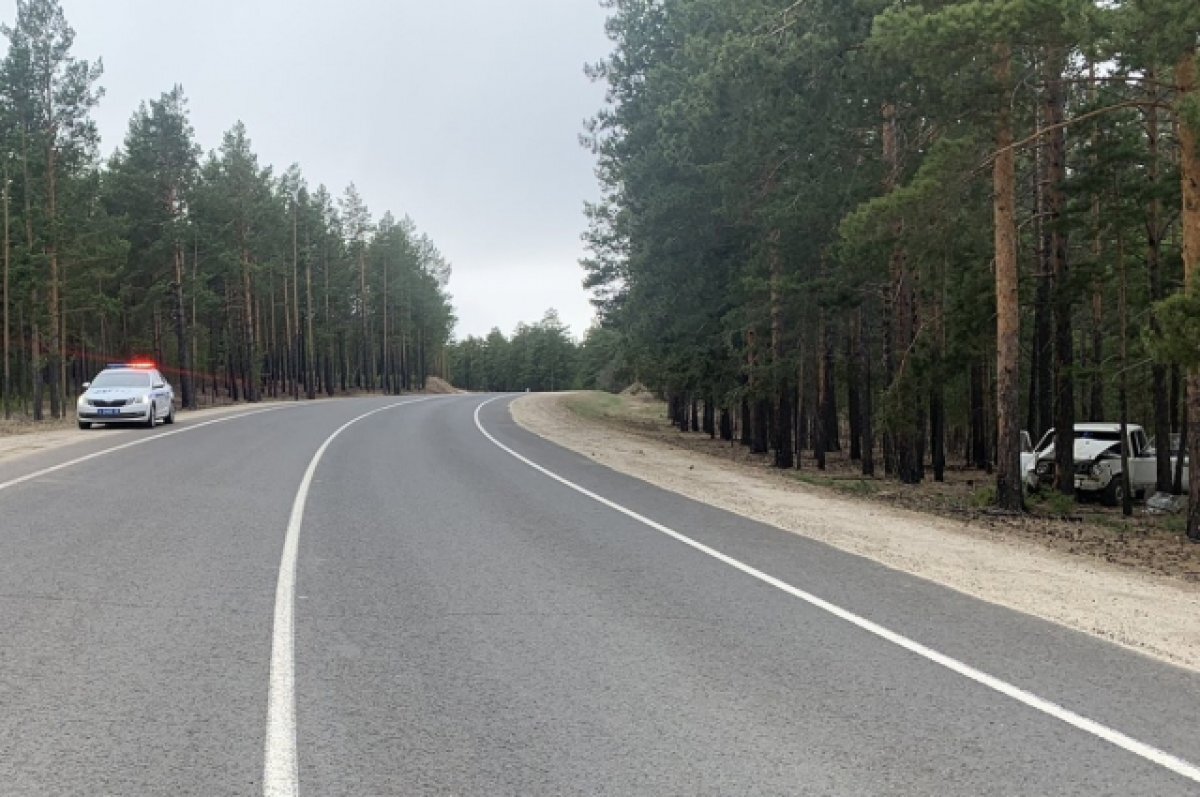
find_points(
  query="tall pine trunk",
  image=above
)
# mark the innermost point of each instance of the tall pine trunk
(297, 340)
(1008, 308)
(250, 387)
(186, 383)
(905, 428)
(36, 363)
(937, 394)
(1041, 366)
(1189, 168)
(744, 427)
(1064, 343)
(368, 378)
(1158, 371)
(54, 350)
(829, 406)
(1096, 393)
(867, 427)
(8, 391)
(387, 371)
(853, 405)
(782, 431)
(821, 434)
(1123, 378)
(310, 375)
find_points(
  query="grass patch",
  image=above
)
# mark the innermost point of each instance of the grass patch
(983, 498)
(860, 487)
(1052, 502)
(640, 409)
(1117, 523)
(595, 405)
(812, 479)
(863, 488)
(1176, 524)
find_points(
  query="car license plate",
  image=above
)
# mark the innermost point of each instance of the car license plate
(102, 411)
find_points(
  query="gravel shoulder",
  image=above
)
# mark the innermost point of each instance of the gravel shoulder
(1154, 614)
(19, 438)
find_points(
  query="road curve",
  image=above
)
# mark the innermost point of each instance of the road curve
(464, 623)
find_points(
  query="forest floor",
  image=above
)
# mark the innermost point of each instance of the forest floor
(1135, 581)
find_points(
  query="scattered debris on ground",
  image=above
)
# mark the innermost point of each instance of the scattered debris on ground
(1161, 503)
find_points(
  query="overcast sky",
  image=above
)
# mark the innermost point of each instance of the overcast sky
(463, 114)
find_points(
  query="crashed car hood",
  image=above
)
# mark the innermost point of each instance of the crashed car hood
(1085, 450)
(1088, 450)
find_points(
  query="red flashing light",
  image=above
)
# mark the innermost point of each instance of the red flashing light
(139, 364)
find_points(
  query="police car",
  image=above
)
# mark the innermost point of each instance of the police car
(126, 393)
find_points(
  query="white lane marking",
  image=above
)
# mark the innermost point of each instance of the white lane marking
(1173, 763)
(140, 441)
(280, 764)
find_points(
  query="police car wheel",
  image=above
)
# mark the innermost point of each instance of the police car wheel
(84, 425)
(169, 418)
(150, 418)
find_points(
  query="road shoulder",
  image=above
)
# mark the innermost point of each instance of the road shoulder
(1156, 615)
(22, 439)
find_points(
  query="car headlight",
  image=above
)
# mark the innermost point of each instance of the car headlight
(138, 400)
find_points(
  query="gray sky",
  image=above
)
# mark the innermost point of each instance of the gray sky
(463, 114)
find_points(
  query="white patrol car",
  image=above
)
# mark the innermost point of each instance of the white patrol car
(126, 393)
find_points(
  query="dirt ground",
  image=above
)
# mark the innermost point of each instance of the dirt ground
(438, 386)
(1135, 582)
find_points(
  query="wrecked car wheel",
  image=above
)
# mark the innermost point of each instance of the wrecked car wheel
(1114, 493)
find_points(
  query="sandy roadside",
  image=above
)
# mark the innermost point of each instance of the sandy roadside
(1151, 614)
(33, 438)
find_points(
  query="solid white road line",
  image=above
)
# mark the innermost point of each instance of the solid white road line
(1173, 763)
(280, 765)
(140, 441)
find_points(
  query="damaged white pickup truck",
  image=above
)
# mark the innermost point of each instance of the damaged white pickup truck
(1098, 462)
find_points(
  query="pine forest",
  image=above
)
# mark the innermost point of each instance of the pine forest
(240, 280)
(906, 231)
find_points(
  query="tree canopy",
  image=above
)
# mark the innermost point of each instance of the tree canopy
(239, 279)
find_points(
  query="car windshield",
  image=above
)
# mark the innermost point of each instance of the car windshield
(121, 379)
(1114, 437)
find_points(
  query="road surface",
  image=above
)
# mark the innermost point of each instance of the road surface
(384, 596)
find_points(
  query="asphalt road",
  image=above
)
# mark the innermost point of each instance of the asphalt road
(465, 624)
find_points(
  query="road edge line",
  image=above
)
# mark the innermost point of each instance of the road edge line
(1145, 751)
